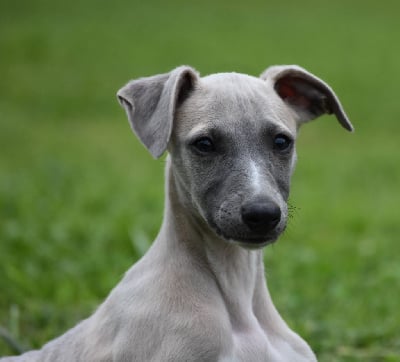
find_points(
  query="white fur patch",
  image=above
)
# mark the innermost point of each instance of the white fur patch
(256, 177)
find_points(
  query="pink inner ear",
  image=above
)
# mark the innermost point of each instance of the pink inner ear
(285, 90)
(288, 91)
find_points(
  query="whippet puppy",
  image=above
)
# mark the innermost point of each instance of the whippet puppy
(199, 293)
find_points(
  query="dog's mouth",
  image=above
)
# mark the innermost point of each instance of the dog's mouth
(253, 243)
(248, 240)
(254, 226)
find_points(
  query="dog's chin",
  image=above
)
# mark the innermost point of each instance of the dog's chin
(248, 241)
(252, 243)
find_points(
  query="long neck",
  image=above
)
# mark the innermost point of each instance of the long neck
(216, 268)
(237, 273)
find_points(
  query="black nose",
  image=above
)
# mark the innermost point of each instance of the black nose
(261, 216)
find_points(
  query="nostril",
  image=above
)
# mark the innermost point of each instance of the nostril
(261, 215)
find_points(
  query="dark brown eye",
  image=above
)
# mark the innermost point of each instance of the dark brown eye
(204, 145)
(282, 142)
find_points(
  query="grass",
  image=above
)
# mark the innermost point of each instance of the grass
(80, 199)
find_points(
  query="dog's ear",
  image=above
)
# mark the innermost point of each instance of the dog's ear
(150, 104)
(307, 95)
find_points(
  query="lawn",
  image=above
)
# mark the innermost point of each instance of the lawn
(81, 199)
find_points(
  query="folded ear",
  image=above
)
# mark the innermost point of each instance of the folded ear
(307, 95)
(150, 104)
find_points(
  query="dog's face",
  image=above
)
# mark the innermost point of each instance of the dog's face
(231, 139)
(233, 152)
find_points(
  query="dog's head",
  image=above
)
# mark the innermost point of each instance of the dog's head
(231, 138)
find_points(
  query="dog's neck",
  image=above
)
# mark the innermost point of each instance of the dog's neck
(238, 273)
(219, 272)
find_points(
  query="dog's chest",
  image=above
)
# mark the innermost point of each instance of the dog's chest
(250, 345)
(254, 345)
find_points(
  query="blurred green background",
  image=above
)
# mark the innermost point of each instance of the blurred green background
(80, 198)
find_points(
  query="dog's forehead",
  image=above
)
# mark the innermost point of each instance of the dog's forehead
(236, 89)
(232, 79)
(234, 101)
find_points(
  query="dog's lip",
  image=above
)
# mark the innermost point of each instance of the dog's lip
(253, 242)
(252, 245)
(247, 240)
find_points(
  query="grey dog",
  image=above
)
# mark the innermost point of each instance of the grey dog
(199, 293)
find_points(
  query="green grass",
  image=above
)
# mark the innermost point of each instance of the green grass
(80, 199)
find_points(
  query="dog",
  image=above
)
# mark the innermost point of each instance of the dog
(199, 293)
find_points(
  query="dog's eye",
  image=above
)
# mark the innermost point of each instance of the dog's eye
(282, 142)
(204, 145)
